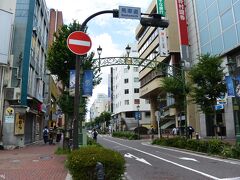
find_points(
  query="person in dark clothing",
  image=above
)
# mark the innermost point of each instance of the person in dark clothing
(190, 131)
(45, 134)
(94, 134)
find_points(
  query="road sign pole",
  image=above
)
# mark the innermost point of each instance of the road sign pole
(76, 103)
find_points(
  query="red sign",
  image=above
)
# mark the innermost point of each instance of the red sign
(79, 42)
(182, 23)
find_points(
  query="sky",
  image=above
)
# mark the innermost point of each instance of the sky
(112, 34)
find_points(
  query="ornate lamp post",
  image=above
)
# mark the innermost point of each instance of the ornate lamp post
(99, 51)
(236, 86)
(128, 50)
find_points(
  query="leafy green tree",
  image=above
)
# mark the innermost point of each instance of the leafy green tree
(208, 78)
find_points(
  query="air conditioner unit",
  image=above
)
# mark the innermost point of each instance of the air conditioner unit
(12, 93)
(238, 60)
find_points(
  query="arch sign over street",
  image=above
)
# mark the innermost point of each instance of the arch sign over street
(79, 42)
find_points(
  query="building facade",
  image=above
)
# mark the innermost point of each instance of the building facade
(101, 104)
(126, 103)
(214, 28)
(156, 44)
(26, 89)
(7, 13)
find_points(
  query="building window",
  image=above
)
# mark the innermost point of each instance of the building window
(130, 114)
(126, 91)
(126, 102)
(136, 90)
(147, 101)
(147, 114)
(136, 79)
(135, 69)
(125, 81)
(136, 101)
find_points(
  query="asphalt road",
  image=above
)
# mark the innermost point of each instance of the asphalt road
(148, 162)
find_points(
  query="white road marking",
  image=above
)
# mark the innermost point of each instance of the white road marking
(235, 178)
(188, 159)
(236, 162)
(171, 162)
(137, 158)
(79, 42)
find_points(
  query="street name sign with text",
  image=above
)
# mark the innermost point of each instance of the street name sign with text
(127, 12)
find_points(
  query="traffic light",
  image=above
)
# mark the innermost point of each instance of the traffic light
(154, 22)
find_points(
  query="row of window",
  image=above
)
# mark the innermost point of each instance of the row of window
(136, 90)
(219, 25)
(127, 102)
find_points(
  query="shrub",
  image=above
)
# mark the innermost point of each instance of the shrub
(61, 151)
(215, 146)
(125, 134)
(82, 163)
(235, 152)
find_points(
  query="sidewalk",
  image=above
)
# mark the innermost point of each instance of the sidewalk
(36, 161)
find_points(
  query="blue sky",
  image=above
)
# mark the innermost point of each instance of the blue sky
(112, 34)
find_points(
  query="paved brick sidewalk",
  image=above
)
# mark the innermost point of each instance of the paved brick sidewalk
(34, 162)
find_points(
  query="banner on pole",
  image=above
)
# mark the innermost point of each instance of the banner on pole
(87, 83)
(72, 83)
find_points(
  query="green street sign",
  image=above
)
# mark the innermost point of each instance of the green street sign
(161, 7)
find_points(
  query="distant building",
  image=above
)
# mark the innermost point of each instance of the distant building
(99, 105)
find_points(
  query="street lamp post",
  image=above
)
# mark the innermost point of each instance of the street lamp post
(99, 51)
(236, 115)
(128, 50)
(138, 118)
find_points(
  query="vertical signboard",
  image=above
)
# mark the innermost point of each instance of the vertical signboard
(161, 7)
(19, 124)
(87, 83)
(163, 50)
(182, 23)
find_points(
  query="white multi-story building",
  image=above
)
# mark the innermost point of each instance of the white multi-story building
(125, 99)
(7, 12)
(99, 105)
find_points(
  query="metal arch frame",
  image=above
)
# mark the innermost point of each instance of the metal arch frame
(140, 62)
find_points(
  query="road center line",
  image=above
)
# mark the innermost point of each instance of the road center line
(185, 167)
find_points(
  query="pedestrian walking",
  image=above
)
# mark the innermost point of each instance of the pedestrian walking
(190, 131)
(152, 132)
(94, 134)
(45, 134)
(174, 131)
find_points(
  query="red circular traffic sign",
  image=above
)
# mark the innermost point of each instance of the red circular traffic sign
(79, 42)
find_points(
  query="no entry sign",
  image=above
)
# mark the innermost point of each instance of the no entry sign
(79, 42)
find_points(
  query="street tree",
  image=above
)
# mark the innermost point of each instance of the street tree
(208, 79)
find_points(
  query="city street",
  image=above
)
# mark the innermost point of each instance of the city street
(145, 161)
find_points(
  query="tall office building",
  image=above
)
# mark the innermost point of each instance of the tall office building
(25, 93)
(214, 27)
(156, 44)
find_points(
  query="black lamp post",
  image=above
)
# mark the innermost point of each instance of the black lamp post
(99, 51)
(138, 118)
(236, 113)
(128, 50)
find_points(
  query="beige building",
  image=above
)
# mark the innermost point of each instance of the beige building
(166, 44)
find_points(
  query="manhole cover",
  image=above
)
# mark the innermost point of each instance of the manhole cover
(45, 157)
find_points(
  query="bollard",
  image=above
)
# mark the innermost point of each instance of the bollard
(197, 136)
(100, 171)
